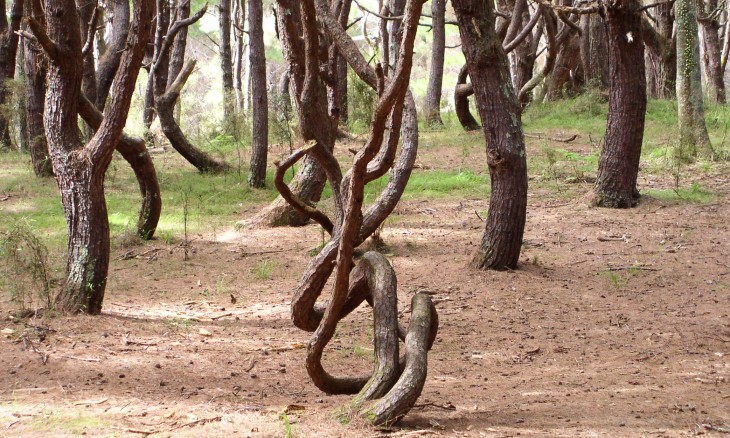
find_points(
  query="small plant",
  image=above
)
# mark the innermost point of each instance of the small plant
(25, 262)
(551, 158)
(263, 269)
(288, 432)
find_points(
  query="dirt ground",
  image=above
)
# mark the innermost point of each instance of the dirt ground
(616, 324)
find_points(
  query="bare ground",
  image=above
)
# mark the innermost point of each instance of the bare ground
(617, 324)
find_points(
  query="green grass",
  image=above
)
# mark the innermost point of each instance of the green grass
(696, 194)
(72, 423)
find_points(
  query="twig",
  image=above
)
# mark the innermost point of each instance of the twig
(635, 268)
(649, 6)
(448, 407)
(480, 218)
(724, 429)
(90, 402)
(221, 316)
(611, 238)
(85, 359)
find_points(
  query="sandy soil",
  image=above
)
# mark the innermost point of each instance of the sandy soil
(617, 324)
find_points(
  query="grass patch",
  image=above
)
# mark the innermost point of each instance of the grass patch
(74, 423)
(696, 194)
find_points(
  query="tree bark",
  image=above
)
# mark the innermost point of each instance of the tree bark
(499, 111)
(593, 51)
(259, 97)
(432, 107)
(224, 22)
(693, 136)
(8, 51)
(618, 166)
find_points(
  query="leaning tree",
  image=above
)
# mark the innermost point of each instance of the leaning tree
(391, 390)
(80, 168)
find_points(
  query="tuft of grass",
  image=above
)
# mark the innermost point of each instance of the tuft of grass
(263, 270)
(54, 422)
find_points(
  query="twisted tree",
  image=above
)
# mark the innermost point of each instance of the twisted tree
(167, 77)
(79, 167)
(390, 391)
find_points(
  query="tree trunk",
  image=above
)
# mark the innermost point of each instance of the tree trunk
(502, 126)
(693, 136)
(662, 53)
(224, 22)
(593, 51)
(8, 50)
(109, 61)
(432, 108)
(310, 179)
(563, 80)
(619, 163)
(35, 96)
(239, 18)
(259, 98)
(711, 50)
(80, 169)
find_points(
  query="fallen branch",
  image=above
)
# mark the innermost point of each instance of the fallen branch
(558, 139)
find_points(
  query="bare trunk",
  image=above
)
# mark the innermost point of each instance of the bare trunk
(499, 111)
(694, 139)
(619, 163)
(224, 23)
(259, 98)
(8, 50)
(239, 18)
(711, 50)
(432, 108)
(593, 52)
(35, 96)
(109, 62)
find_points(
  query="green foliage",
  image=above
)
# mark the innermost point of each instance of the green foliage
(25, 268)
(284, 418)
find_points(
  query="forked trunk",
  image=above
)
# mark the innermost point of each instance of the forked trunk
(499, 111)
(619, 163)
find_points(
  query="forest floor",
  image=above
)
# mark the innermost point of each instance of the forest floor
(616, 324)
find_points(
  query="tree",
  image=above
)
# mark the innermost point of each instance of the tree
(260, 101)
(618, 166)
(499, 112)
(79, 167)
(35, 65)
(168, 76)
(709, 26)
(224, 21)
(693, 136)
(432, 107)
(662, 52)
(395, 384)
(310, 179)
(8, 50)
